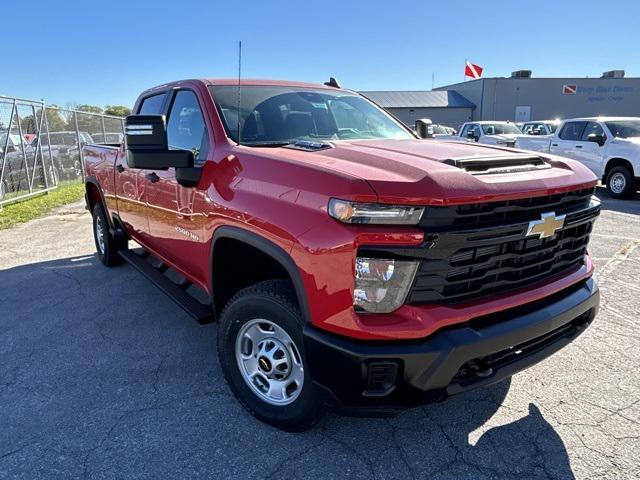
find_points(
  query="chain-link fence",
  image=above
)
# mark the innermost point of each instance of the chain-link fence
(41, 146)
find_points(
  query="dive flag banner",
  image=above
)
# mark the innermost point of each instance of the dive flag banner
(569, 89)
(472, 70)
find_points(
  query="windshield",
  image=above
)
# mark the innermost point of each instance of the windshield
(275, 116)
(500, 129)
(624, 128)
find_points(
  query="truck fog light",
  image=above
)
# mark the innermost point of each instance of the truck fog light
(382, 285)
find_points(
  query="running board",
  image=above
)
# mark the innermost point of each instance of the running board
(201, 313)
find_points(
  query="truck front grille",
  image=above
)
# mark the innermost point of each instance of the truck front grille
(492, 254)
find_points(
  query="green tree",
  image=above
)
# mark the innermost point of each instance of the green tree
(89, 108)
(55, 120)
(117, 110)
(89, 123)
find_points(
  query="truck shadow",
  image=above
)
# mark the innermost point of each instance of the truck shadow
(455, 439)
(631, 206)
(71, 328)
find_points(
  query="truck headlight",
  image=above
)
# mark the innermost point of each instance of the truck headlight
(373, 213)
(382, 285)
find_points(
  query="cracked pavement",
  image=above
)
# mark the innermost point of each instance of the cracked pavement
(102, 376)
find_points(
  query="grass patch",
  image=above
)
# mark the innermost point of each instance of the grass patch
(67, 192)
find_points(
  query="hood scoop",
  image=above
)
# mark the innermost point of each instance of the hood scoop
(309, 145)
(499, 164)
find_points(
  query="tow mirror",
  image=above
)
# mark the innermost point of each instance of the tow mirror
(597, 138)
(424, 128)
(147, 147)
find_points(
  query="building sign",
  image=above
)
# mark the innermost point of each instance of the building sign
(599, 93)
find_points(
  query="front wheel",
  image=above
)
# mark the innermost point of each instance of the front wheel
(261, 352)
(620, 183)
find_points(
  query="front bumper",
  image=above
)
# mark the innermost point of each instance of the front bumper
(386, 377)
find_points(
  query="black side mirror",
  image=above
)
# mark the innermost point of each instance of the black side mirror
(147, 147)
(598, 138)
(424, 128)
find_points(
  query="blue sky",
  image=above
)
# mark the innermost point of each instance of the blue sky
(107, 52)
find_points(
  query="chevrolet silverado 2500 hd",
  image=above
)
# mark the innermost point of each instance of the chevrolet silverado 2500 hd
(348, 263)
(608, 146)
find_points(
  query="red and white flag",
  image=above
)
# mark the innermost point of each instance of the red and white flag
(569, 89)
(472, 70)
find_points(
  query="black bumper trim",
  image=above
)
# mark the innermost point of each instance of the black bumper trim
(430, 370)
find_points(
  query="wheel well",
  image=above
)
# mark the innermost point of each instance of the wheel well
(237, 265)
(616, 162)
(93, 195)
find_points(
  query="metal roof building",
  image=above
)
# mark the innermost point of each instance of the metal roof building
(520, 98)
(444, 107)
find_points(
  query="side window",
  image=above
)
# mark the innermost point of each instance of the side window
(470, 127)
(572, 131)
(527, 128)
(152, 105)
(186, 129)
(592, 127)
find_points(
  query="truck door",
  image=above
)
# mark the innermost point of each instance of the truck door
(569, 142)
(130, 189)
(591, 153)
(176, 229)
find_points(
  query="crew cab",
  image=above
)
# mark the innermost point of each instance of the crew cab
(349, 264)
(608, 146)
(489, 133)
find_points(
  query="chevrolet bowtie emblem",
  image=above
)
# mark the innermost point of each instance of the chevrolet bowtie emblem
(547, 226)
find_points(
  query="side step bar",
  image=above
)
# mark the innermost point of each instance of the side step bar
(201, 313)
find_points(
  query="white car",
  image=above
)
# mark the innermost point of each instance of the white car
(490, 133)
(608, 146)
(536, 135)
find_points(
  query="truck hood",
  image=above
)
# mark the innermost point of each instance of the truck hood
(415, 172)
(630, 140)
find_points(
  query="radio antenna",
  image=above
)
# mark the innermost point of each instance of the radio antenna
(239, 77)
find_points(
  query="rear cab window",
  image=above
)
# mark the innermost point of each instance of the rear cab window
(152, 105)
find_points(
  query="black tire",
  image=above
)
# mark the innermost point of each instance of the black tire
(108, 251)
(620, 183)
(275, 301)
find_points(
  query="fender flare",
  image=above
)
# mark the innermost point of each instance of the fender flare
(269, 248)
(94, 181)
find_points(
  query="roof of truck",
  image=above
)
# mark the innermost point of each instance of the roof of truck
(264, 82)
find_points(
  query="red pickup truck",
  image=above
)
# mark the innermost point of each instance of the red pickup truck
(349, 263)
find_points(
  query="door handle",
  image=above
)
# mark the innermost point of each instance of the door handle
(578, 146)
(119, 168)
(152, 177)
(554, 144)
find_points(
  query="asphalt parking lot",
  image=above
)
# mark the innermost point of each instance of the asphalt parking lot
(102, 376)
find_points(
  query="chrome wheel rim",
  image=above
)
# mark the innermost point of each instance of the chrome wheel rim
(618, 183)
(269, 362)
(100, 235)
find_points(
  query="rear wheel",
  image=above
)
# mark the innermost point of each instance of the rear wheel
(107, 246)
(620, 183)
(262, 357)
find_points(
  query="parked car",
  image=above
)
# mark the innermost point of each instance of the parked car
(490, 133)
(65, 151)
(608, 146)
(348, 263)
(443, 131)
(108, 138)
(16, 156)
